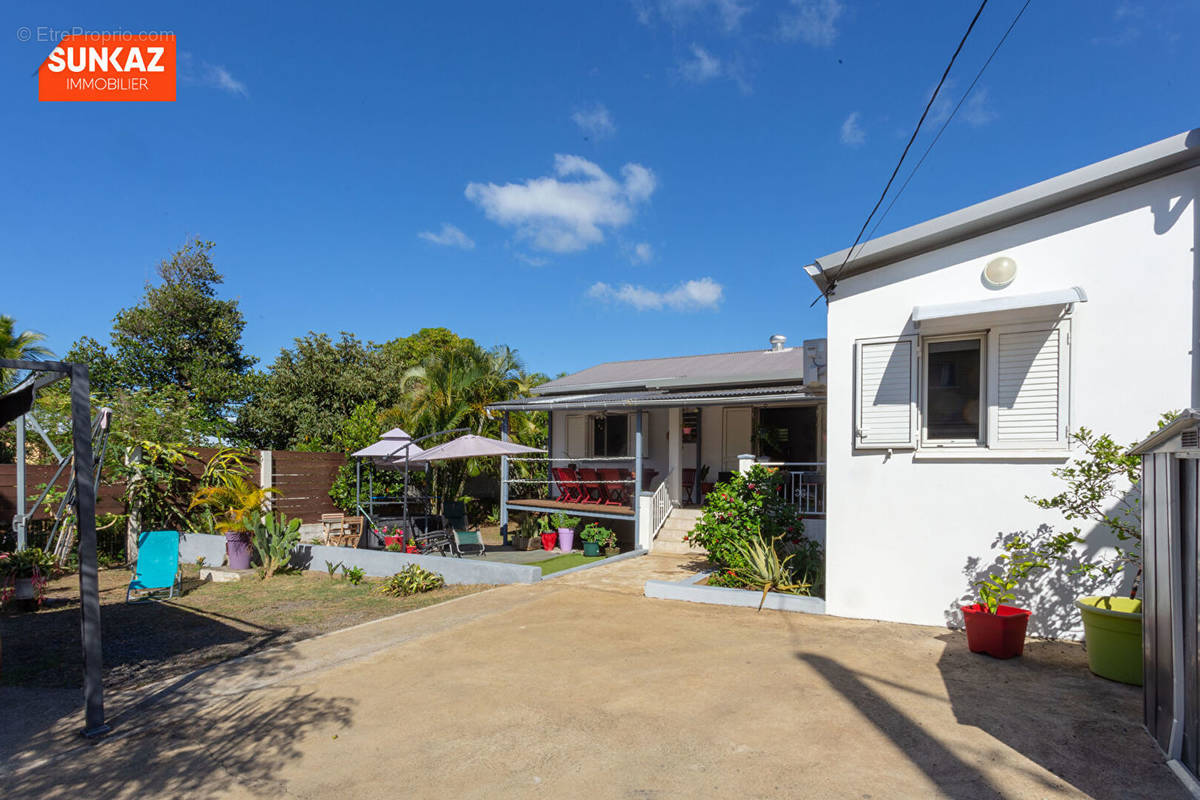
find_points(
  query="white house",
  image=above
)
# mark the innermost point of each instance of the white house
(962, 351)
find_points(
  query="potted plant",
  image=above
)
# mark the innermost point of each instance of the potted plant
(23, 574)
(595, 537)
(993, 625)
(526, 531)
(1102, 487)
(566, 529)
(233, 500)
(547, 532)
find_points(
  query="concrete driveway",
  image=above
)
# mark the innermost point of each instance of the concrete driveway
(582, 688)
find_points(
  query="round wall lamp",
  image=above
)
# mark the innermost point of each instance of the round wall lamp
(1000, 272)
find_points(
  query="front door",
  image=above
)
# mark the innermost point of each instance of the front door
(735, 436)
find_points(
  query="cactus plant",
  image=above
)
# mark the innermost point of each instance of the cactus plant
(273, 536)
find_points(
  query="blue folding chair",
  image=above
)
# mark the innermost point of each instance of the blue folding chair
(157, 567)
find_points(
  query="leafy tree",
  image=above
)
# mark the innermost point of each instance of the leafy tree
(313, 388)
(26, 345)
(181, 334)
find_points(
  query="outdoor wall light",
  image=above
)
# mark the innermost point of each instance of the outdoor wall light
(1000, 272)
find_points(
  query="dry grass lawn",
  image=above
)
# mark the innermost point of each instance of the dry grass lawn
(209, 623)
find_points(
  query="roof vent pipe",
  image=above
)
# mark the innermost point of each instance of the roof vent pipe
(778, 342)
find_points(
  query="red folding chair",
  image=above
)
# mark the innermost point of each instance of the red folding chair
(689, 484)
(569, 490)
(627, 488)
(612, 487)
(593, 489)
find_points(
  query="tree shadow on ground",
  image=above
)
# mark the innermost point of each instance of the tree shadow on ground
(1048, 707)
(187, 750)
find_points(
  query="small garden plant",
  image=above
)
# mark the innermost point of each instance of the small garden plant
(31, 563)
(273, 537)
(561, 520)
(598, 534)
(413, 579)
(354, 574)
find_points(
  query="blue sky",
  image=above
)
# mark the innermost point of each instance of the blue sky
(582, 182)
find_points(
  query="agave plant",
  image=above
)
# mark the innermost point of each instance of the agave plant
(765, 570)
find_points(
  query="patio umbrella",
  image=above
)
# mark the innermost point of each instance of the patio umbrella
(471, 446)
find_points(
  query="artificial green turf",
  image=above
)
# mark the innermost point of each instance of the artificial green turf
(566, 561)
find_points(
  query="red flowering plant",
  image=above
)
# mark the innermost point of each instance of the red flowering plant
(746, 509)
(32, 564)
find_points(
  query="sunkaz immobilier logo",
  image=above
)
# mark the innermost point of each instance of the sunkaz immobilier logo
(109, 67)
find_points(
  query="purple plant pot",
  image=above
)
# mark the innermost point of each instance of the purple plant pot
(566, 538)
(237, 549)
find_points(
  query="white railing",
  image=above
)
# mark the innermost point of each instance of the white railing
(661, 504)
(805, 486)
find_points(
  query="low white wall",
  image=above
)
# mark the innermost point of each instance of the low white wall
(376, 563)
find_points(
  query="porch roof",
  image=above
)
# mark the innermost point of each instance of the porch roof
(661, 398)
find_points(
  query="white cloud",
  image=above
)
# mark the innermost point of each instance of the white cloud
(560, 215)
(939, 112)
(213, 76)
(641, 253)
(976, 111)
(813, 21)
(678, 13)
(693, 295)
(852, 133)
(701, 67)
(595, 121)
(532, 261)
(448, 236)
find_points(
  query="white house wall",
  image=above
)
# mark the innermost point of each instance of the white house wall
(903, 533)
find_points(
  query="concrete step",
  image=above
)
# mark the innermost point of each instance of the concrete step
(675, 548)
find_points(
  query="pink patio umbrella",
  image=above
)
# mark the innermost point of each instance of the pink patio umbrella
(471, 446)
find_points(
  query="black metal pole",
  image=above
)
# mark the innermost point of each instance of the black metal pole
(89, 578)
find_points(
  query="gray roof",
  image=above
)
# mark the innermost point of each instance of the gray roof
(1186, 419)
(1096, 180)
(751, 367)
(652, 398)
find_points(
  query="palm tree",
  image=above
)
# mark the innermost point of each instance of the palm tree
(23, 346)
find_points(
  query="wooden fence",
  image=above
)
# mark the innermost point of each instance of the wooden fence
(303, 478)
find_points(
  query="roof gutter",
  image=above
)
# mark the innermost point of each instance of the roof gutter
(1138, 166)
(600, 404)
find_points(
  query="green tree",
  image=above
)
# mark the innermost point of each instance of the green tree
(26, 345)
(181, 334)
(311, 390)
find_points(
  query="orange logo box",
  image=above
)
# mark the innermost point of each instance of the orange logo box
(109, 67)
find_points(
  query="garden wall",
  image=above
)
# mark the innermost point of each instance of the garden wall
(376, 563)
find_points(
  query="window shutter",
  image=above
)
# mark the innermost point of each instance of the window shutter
(886, 370)
(1029, 386)
(577, 436)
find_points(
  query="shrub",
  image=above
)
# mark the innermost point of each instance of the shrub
(747, 508)
(765, 570)
(354, 574)
(413, 579)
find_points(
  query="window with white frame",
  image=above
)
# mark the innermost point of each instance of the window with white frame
(1006, 388)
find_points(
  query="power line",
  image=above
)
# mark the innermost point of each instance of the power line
(833, 280)
(942, 130)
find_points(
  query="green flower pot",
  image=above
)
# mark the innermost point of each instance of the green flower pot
(1113, 629)
(591, 548)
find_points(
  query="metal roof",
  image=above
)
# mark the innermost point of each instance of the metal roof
(1186, 419)
(1138, 166)
(715, 369)
(661, 398)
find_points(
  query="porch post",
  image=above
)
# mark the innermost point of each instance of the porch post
(549, 455)
(637, 478)
(19, 520)
(504, 482)
(675, 454)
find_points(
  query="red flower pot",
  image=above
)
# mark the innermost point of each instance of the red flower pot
(548, 540)
(388, 541)
(1000, 635)
(411, 548)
